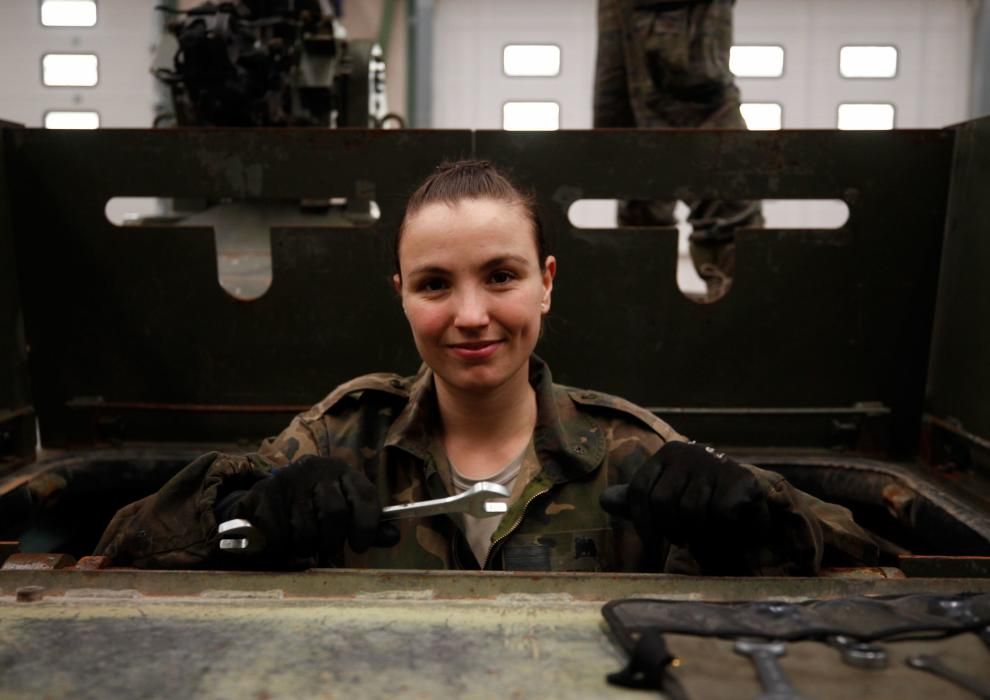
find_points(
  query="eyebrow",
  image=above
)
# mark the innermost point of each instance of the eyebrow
(428, 270)
(494, 262)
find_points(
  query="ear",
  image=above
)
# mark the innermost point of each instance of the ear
(549, 273)
(397, 283)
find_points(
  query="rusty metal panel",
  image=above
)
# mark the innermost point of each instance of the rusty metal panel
(454, 585)
(406, 635)
(17, 434)
(959, 375)
(131, 335)
(132, 338)
(814, 319)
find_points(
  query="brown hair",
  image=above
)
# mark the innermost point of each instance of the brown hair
(454, 181)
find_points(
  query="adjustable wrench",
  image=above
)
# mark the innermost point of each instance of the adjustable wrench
(239, 535)
(776, 685)
(857, 653)
(933, 664)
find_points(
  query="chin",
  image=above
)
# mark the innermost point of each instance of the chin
(476, 378)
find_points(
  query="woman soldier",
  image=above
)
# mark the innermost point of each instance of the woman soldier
(475, 279)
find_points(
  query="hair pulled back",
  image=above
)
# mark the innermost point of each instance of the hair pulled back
(455, 181)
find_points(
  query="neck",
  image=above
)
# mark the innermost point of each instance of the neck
(494, 417)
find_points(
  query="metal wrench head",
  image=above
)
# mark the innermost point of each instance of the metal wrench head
(478, 499)
(749, 646)
(239, 535)
(859, 654)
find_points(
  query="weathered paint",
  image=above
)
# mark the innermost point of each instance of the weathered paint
(457, 585)
(512, 646)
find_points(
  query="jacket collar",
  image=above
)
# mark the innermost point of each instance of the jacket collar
(569, 443)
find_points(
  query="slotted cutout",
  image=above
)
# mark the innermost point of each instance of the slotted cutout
(242, 229)
(788, 214)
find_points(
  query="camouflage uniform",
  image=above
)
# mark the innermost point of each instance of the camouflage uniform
(666, 65)
(387, 426)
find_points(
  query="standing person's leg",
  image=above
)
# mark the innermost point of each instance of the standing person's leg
(663, 66)
(711, 83)
(715, 221)
(621, 83)
(611, 97)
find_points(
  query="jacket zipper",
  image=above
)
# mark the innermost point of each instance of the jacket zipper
(512, 529)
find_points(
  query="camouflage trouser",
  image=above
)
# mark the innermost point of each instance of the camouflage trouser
(666, 65)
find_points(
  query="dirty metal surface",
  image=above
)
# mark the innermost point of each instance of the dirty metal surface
(415, 637)
(820, 319)
(158, 329)
(956, 567)
(943, 515)
(815, 317)
(448, 585)
(32, 561)
(16, 416)
(959, 376)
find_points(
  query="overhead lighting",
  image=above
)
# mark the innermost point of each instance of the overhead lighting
(866, 117)
(762, 116)
(756, 61)
(868, 61)
(72, 120)
(531, 60)
(68, 13)
(70, 69)
(531, 116)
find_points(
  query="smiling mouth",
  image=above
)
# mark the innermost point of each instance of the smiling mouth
(474, 345)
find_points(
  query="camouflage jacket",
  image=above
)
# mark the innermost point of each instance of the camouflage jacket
(387, 425)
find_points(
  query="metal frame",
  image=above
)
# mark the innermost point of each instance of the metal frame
(419, 75)
(157, 351)
(958, 389)
(980, 93)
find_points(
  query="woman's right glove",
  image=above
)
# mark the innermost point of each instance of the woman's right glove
(313, 506)
(696, 497)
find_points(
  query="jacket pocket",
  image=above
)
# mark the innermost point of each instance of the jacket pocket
(568, 550)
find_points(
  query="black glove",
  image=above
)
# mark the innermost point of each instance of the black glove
(693, 496)
(312, 507)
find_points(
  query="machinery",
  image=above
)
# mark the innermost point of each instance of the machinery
(266, 63)
(852, 360)
(270, 63)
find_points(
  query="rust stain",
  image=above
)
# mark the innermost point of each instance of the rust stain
(28, 561)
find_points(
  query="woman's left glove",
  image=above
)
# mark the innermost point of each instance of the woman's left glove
(312, 507)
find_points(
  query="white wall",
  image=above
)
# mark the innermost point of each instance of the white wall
(123, 39)
(469, 86)
(934, 39)
(931, 89)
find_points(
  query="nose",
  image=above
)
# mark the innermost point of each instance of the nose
(471, 310)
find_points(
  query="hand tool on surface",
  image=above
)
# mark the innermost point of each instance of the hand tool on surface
(776, 685)
(935, 665)
(859, 654)
(240, 535)
(649, 667)
(962, 609)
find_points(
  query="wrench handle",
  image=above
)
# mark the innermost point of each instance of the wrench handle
(420, 509)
